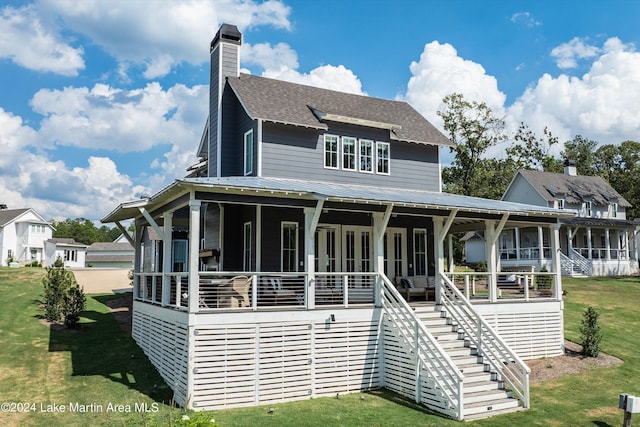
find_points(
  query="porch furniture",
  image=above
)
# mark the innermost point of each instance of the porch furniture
(417, 286)
(273, 292)
(235, 293)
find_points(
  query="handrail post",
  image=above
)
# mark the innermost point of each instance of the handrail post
(345, 285)
(254, 292)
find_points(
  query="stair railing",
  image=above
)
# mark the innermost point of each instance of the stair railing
(566, 264)
(429, 353)
(581, 262)
(490, 345)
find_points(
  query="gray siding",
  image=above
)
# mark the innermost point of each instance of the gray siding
(212, 226)
(235, 122)
(298, 153)
(214, 87)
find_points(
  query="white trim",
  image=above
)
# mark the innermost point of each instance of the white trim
(246, 250)
(353, 140)
(219, 118)
(258, 237)
(360, 156)
(295, 227)
(248, 169)
(324, 151)
(259, 149)
(377, 170)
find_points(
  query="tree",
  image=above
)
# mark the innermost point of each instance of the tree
(590, 333)
(582, 151)
(533, 153)
(83, 230)
(473, 127)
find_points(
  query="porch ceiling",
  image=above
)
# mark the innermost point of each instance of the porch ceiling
(470, 209)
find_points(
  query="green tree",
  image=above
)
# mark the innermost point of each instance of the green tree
(56, 284)
(530, 152)
(473, 127)
(83, 230)
(582, 151)
(590, 333)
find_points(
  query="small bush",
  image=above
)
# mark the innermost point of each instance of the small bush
(590, 333)
(73, 304)
(481, 267)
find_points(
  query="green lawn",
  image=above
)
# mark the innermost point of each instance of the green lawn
(101, 365)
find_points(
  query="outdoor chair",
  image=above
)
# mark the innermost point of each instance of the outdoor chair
(234, 293)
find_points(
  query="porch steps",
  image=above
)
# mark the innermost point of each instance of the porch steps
(484, 395)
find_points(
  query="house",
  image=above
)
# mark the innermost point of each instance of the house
(72, 253)
(116, 254)
(597, 240)
(22, 235)
(274, 271)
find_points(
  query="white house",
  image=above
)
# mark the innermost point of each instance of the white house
(116, 254)
(596, 240)
(72, 253)
(22, 235)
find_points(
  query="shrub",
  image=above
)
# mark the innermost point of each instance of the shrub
(481, 267)
(73, 304)
(590, 333)
(58, 284)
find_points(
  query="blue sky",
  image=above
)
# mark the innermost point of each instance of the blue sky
(103, 101)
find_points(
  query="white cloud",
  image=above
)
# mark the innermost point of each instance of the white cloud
(601, 105)
(567, 54)
(105, 117)
(526, 19)
(33, 44)
(163, 34)
(440, 72)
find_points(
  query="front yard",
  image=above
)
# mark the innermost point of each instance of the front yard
(98, 375)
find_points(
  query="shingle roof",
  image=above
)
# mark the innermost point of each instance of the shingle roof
(300, 105)
(9, 215)
(109, 247)
(574, 189)
(65, 241)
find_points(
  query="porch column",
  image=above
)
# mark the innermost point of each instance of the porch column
(194, 251)
(380, 222)
(607, 244)
(438, 253)
(589, 242)
(167, 227)
(555, 255)
(258, 238)
(540, 245)
(450, 260)
(517, 238)
(137, 260)
(492, 262)
(311, 218)
(626, 243)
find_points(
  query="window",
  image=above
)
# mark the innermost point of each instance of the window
(348, 153)
(179, 255)
(560, 203)
(246, 261)
(331, 151)
(70, 255)
(614, 210)
(420, 252)
(586, 209)
(382, 157)
(366, 156)
(289, 246)
(248, 152)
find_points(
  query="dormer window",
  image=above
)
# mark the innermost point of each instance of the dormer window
(560, 203)
(382, 157)
(348, 153)
(366, 156)
(586, 209)
(614, 210)
(331, 152)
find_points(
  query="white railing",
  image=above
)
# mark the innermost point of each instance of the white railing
(601, 253)
(428, 352)
(525, 253)
(583, 264)
(513, 286)
(242, 290)
(566, 264)
(474, 285)
(494, 350)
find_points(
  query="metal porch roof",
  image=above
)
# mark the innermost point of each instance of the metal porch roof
(337, 192)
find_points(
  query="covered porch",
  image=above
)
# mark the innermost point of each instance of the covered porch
(319, 267)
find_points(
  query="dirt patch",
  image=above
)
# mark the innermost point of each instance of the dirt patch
(121, 309)
(572, 362)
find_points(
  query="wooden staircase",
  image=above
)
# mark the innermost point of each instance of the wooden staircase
(484, 394)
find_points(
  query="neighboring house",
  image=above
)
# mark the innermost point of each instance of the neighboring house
(22, 235)
(71, 252)
(270, 273)
(598, 240)
(474, 247)
(116, 254)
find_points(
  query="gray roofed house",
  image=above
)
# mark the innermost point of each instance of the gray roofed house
(71, 252)
(22, 235)
(117, 254)
(283, 266)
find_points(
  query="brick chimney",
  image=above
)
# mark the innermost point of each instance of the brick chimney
(225, 62)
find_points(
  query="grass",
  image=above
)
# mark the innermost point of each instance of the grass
(102, 365)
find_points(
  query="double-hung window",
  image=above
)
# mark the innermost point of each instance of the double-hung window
(248, 152)
(331, 151)
(382, 157)
(289, 246)
(614, 210)
(586, 209)
(366, 156)
(420, 251)
(246, 258)
(348, 153)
